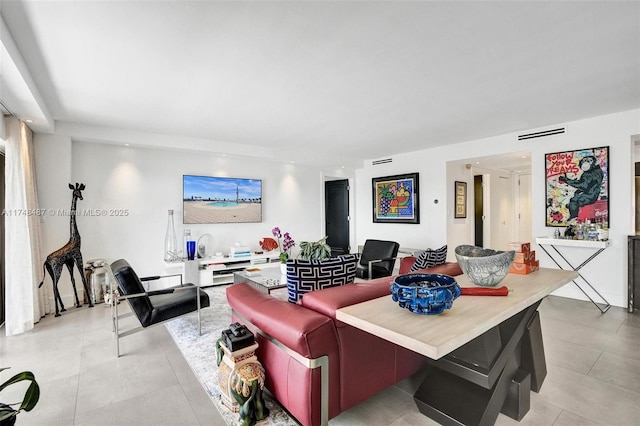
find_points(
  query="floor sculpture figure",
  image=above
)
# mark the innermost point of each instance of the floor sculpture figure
(68, 255)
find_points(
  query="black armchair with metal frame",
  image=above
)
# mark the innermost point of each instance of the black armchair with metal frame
(151, 307)
(377, 259)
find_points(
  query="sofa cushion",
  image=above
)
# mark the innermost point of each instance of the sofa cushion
(304, 276)
(429, 258)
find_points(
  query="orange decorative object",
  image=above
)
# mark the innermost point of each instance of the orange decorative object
(524, 268)
(268, 244)
(529, 257)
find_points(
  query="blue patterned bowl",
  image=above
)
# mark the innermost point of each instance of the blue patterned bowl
(484, 267)
(425, 294)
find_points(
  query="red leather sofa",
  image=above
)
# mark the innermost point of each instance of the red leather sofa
(317, 366)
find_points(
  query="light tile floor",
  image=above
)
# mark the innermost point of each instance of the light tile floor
(593, 363)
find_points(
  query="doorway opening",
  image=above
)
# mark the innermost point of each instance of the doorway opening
(336, 214)
(501, 203)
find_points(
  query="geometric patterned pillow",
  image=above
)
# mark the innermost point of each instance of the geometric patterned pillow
(429, 258)
(304, 276)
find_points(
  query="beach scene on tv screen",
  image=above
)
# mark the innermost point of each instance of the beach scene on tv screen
(209, 199)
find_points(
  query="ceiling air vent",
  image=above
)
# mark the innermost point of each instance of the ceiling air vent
(542, 133)
(383, 161)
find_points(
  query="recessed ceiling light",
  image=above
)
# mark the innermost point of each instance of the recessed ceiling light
(126, 144)
(28, 121)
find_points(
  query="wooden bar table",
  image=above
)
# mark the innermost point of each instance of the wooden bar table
(485, 353)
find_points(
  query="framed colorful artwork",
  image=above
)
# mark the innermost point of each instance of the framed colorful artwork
(577, 186)
(460, 207)
(395, 199)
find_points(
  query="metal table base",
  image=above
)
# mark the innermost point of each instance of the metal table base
(598, 245)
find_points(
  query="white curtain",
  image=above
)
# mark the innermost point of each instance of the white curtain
(25, 303)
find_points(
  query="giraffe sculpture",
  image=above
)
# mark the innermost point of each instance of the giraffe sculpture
(68, 255)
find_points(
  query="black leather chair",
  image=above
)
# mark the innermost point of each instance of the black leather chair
(152, 307)
(377, 259)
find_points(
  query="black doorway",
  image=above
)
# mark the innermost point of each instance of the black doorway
(478, 210)
(336, 213)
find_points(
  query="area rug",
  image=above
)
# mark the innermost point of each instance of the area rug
(200, 354)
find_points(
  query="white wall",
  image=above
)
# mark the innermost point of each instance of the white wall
(608, 272)
(147, 182)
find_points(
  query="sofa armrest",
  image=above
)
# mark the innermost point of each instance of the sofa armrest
(302, 330)
(292, 332)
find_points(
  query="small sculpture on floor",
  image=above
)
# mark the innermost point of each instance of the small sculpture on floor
(240, 375)
(68, 255)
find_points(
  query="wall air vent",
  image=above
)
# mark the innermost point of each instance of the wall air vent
(542, 133)
(383, 161)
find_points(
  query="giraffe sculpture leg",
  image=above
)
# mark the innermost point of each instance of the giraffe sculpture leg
(79, 265)
(55, 270)
(69, 264)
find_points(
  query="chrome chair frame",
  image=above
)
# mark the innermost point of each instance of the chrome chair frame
(116, 298)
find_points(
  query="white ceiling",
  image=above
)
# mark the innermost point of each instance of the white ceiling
(333, 83)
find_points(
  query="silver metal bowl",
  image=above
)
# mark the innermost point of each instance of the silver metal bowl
(484, 267)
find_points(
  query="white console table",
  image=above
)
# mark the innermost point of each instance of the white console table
(598, 246)
(218, 270)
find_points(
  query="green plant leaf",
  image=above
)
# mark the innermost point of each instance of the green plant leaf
(31, 396)
(315, 250)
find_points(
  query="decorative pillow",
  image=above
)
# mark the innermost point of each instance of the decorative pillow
(429, 258)
(304, 276)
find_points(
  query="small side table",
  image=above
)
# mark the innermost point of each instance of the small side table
(96, 274)
(599, 246)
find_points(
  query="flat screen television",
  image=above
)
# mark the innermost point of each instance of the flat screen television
(211, 199)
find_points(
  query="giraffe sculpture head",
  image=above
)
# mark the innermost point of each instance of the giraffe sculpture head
(77, 190)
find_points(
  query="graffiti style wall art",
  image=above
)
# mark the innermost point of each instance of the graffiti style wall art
(577, 186)
(395, 199)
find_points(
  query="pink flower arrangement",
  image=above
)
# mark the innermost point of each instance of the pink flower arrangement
(285, 245)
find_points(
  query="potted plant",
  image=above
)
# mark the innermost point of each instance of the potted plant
(8, 414)
(315, 250)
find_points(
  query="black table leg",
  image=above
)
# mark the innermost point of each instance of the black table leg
(491, 374)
